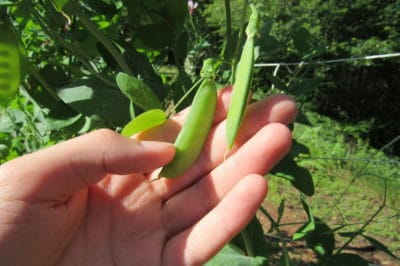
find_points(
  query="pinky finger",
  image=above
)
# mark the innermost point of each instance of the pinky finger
(200, 242)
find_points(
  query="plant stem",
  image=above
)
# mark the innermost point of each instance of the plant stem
(266, 213)
(275, 226)
(104, 40)
(179, 65)
(43, 82)
(228, 24)
(370, 220)
(72, 49)
(239, 41)
(247, 242)
(187, 94)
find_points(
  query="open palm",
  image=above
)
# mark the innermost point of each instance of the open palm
(78, 203)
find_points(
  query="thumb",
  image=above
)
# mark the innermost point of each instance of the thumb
(77, 163)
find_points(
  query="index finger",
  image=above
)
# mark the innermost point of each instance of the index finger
(77, 163)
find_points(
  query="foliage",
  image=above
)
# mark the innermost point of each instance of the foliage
(70, 84)
(353, 91)
(353, 183)
(357, 91)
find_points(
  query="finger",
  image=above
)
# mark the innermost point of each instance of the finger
(193, 246)
(169, 130)
(258, 155)
(273, 109)
(71, 166)
(278, 108)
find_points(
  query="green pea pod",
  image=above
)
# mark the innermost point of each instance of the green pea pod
(10, 63)
(144, 121)
(242, 84)
(192, 136)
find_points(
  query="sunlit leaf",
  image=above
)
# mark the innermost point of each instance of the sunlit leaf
(138, 92)
(56, 124)
(231, 256)
(96, 100)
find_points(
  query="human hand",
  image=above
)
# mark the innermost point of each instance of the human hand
(92, 200)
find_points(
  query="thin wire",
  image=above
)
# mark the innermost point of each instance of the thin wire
(332, 61)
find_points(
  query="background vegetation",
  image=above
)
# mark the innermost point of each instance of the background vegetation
(340, 184)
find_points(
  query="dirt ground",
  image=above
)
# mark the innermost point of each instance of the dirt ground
(306, 256)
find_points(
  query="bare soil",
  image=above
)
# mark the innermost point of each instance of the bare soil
(305, 256)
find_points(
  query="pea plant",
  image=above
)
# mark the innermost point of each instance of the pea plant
(68, 67)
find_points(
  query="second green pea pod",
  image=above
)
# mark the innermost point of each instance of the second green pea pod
(191, 138)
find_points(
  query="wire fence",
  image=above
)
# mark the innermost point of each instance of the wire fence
(332, 61)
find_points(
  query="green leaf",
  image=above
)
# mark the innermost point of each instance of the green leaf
(321, 239)
(350, 234)
(155, 36)
(303, 181)
(138, 92)
(255, 233)
(55, 77)
(299, 176)
(141, 67)
(304, 87)
(298, 148)
(6, 124)
(265, 41)
(10, 63)
(303, 40)
(59, 4)
(104, 7)
(302, 118)
(144, 121)
(96, 100)
(380, 246)
(307, 227)
(176, 11)
(346, 259)
(281, 209)
(231, 256)
(277, 82)
(56, 124)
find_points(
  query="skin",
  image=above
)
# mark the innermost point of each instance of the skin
(91, 200)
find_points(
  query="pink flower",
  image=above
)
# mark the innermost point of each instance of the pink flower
(192, 6)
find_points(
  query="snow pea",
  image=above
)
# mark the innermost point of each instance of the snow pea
(243, 77)
(191, 138)
(10, 62)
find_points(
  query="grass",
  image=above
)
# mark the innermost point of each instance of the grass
(353, 182)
